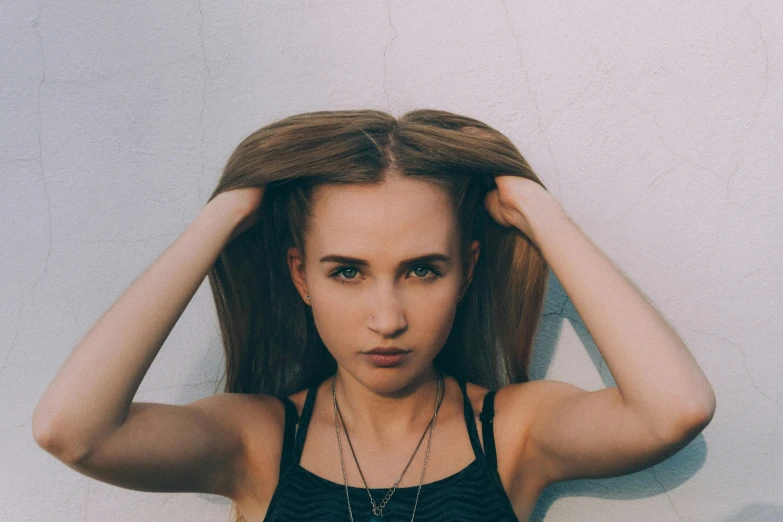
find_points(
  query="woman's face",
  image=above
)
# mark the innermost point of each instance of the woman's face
(382, 269)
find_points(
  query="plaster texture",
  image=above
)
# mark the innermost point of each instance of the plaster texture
(657, 125)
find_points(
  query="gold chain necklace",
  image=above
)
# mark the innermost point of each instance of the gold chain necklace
(378, 510)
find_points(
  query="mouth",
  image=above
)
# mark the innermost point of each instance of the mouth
(386, 357)
(386, 350)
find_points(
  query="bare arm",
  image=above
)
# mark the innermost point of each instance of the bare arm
(662, 399)
(86, 417)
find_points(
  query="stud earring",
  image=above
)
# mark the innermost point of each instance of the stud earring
(308, 297)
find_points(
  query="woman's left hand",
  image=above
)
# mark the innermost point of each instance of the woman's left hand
(517, 201)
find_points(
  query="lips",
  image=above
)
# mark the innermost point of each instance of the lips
(386, 350)
(386, 357)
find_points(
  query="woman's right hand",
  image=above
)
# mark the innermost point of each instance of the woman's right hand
(246, 202)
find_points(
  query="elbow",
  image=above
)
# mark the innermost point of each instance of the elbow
(691, 421)
(695, 422)
(701, 414)
(42, 431)
(51, 440)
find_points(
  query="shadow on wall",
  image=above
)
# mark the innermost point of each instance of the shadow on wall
(649, 482)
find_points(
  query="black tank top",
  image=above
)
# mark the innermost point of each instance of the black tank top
(474, 493)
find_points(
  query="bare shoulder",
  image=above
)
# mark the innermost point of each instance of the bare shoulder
(516, 406)
(262, 423)
(260, 419)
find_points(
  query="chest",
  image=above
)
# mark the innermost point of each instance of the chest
(467, 496)
(453, 481)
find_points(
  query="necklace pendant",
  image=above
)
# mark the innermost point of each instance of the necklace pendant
(376, 518)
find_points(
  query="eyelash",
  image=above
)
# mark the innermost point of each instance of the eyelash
(434, 273)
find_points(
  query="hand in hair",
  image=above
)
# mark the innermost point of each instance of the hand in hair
(247, 202)
(517, 200)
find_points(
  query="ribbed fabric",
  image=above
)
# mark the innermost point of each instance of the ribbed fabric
(473, 494)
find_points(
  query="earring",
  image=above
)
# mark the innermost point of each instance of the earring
(308, 297)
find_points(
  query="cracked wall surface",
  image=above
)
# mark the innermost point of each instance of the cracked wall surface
(657, 126)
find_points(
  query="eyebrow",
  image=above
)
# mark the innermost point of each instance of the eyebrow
(361, 262)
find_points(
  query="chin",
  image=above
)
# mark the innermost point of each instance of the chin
(388, 380)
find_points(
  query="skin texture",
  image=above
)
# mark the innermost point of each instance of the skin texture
(386, 302)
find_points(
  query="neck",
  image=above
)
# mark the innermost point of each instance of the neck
(386, 414)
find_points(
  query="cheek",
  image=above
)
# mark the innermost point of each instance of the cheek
(337, 316)
(440, 320)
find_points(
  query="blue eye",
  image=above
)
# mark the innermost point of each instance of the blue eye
(426, 273)
(425, 268)
(346, 269)
(434, 273)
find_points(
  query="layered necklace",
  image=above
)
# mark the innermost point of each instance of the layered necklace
(377, 510)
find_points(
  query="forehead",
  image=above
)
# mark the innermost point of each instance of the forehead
(399, 218)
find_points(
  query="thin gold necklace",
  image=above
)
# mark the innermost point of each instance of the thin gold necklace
(376, 509)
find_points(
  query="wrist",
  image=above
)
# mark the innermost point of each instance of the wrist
(223, 213)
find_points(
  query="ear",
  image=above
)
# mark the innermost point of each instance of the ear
(295, 262)
(473, 253)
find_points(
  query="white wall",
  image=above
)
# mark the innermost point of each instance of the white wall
(656, 125)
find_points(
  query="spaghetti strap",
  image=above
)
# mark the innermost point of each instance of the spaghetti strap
(291, 420)
(486, 417)
(304, 422)
(470, 421)
(490, 466)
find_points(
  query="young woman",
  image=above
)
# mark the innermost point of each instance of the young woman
(378, 283)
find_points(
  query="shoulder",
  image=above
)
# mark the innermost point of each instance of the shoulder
(260, 421)
(516, 407)
(514, 403)
(259, 414)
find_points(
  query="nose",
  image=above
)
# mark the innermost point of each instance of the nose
(387, 314)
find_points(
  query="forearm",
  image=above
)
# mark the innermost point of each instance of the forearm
(92, 392)
(656, 375)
